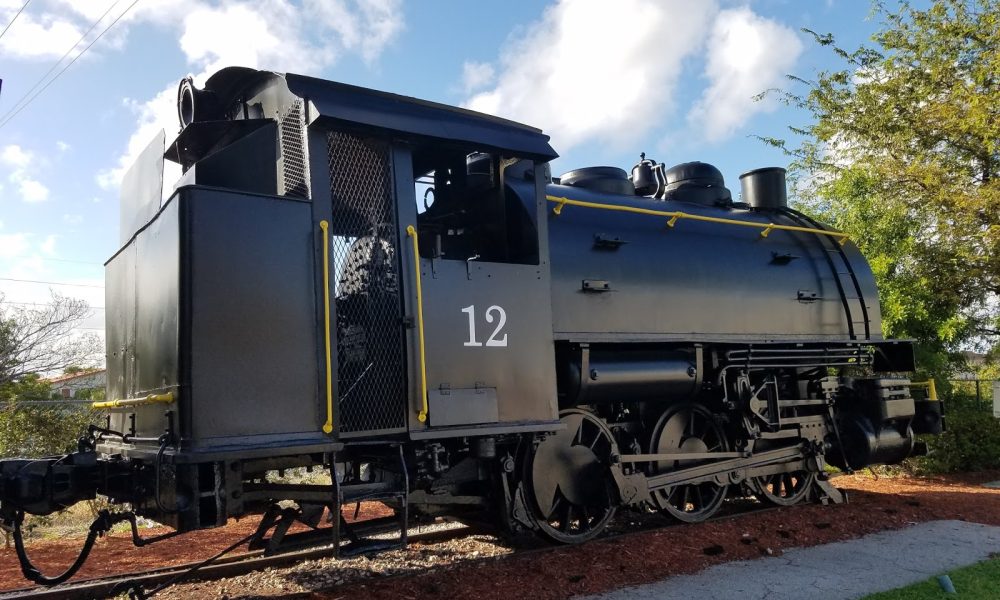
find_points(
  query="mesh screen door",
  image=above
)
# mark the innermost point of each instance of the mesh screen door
(365, 254)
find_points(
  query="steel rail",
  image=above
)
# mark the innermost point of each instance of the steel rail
(229, 566)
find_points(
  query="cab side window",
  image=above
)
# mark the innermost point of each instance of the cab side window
(475, 206)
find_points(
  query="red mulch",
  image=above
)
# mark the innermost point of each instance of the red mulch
(644, 557)
(115, 553)
(875, 505)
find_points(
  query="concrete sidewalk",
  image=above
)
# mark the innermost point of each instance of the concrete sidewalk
(841, 570)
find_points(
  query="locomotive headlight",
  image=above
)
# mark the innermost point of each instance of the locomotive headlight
(194, 104)
(185, 101)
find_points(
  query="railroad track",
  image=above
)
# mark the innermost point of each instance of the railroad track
(248, 562)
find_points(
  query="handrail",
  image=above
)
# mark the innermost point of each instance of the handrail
(411, 231)
(166, 398)
(328, 426)
(675, 215)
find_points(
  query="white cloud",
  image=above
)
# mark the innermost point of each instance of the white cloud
(21, 162)
(37, 37)
(72, 219)
(477, 75)
(48, 246)
(62, 146)
(363, 26)
(267, 34)
(593, 70)
(158, 113)
(15, 156)
(747, 54)
(241, 35)
(13, 245)
(49, 30)
(31, 190)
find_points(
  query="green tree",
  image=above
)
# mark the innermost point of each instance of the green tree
(35, 342)
(32, 424)
(45, 340)
(903, 152)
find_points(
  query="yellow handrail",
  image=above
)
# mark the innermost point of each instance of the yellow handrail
(166, 398)
(411, 231)
(675, 215)
(328, 426)
(931, 388)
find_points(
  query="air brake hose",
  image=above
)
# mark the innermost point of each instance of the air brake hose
(100, 526)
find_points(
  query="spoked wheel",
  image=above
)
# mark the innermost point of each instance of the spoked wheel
(573, 492)
(687, 428)
(784, 489)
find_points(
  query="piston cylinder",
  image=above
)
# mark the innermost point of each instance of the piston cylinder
(865, 444)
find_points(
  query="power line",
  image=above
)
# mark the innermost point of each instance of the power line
(42, 304)
(68, 65)
(100, 287)
(62, 260)
(26, 3)
(58, 62)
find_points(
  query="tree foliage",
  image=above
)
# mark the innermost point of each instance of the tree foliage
(44, 340)
(32, 424)
(903, 152)
(36, 342)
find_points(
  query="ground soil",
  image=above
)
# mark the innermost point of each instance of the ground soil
(601, 565)
(115, 553)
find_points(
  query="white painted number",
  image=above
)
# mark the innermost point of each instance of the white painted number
(502, 316)
(493, 313)
(471, 311)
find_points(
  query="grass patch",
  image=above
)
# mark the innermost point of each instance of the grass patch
(975, 582)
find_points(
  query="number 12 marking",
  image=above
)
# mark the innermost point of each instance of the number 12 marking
(493, 313)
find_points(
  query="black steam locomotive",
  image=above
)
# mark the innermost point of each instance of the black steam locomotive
(398, 291)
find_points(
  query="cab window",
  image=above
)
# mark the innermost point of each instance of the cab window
(475, 206)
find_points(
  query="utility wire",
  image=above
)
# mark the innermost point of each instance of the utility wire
(42, 304)
(58, 62)
(62, 260)
(26, 3)
(7, 119)
(86, 285)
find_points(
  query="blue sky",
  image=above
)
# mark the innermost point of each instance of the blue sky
(607, 80)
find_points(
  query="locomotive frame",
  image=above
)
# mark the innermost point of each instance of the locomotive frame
(526, 351)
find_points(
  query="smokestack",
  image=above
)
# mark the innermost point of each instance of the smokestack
(764, 189)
